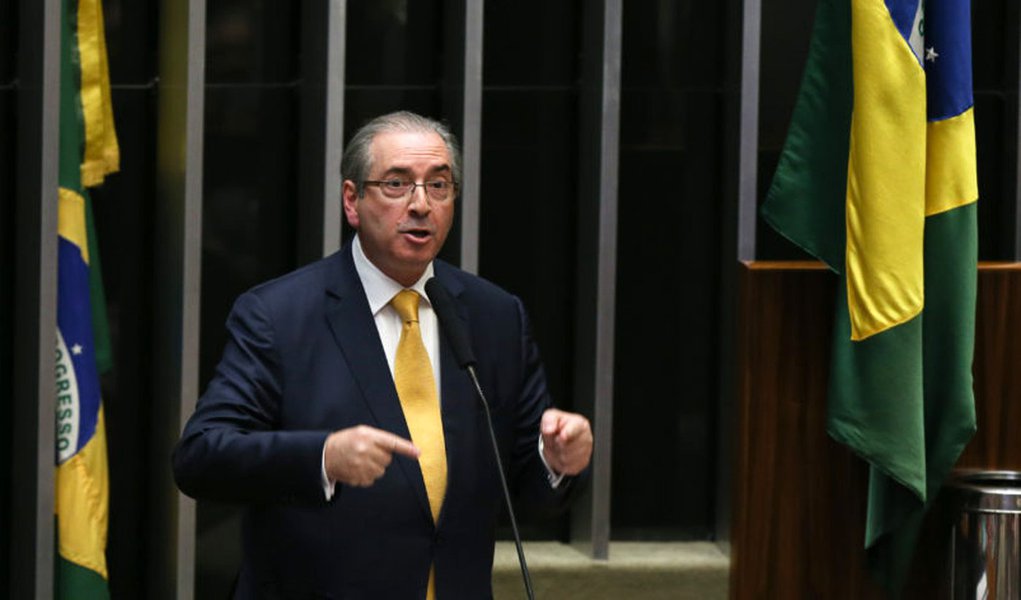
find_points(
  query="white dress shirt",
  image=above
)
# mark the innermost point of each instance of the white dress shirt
(379, 290)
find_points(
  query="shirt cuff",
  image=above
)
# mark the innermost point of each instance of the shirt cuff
(552, 477)
(329, 487)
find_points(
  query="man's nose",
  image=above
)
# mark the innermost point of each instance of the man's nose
(419, 202)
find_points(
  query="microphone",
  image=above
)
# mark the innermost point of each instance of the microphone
(451, 323)
(456, 331)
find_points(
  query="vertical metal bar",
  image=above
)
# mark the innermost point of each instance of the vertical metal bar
(471, 137)
(35, 304)
(178, 239)
(598, 173)
(738, 240)
(607, 287)
(334, 126)
(191, 275)
(321, 129)
(749, 130)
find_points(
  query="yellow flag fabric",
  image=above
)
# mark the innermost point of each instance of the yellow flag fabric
(885, 175)
(878, 179)
(88, 152)
(102, 153)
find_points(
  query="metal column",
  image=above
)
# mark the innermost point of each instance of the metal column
(35, 304)
(322, 128)
(177, 252)
(471, 135)
(599, 148)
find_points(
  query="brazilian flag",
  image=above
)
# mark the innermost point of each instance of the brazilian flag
(878, 180)
(88, 152)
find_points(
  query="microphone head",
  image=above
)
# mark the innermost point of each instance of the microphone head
(451, 324)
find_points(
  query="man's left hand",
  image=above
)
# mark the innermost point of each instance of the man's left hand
(567, 441)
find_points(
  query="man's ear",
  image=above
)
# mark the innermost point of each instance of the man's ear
(349, 196)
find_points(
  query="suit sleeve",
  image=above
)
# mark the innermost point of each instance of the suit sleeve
(231, 448)
(529, 474)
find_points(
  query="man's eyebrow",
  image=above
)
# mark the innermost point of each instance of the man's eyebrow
(440, 169)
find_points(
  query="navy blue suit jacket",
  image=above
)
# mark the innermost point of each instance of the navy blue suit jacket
(303, 359)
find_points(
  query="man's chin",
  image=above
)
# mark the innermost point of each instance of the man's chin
(411, 265)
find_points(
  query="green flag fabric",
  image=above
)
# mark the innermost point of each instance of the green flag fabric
(877, 179)
(83, 346)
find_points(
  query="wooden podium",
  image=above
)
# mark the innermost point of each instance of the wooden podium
(799, 497)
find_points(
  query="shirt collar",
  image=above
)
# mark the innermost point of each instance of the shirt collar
(379, 288)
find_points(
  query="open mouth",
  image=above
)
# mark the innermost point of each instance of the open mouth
(418, 234)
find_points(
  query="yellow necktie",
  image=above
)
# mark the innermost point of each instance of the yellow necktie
(416, 388)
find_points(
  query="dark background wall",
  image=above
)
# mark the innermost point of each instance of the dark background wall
(8, 143)
(668, 275)
(124, 210)
(528, 229)
(675, 172)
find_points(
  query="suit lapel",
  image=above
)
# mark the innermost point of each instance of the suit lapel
(354, 330)
(457, 396)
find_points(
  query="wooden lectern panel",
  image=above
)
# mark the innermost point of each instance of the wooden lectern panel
(997, 370)
(799, 504)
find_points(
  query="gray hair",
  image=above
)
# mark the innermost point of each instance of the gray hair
(357, 160)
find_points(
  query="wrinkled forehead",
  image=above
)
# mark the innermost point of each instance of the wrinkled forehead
(409, 151)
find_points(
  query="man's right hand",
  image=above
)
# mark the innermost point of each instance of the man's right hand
(360, 455)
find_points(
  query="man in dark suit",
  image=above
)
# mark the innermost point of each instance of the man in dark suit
(338, 414)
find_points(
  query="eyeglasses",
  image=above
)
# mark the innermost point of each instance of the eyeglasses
(438, 190)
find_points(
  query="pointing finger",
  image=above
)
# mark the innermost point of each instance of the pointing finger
(397, 445)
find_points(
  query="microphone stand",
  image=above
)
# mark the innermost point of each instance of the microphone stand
(503, 481)
(457, 335)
